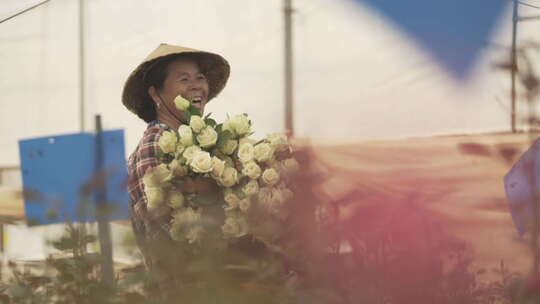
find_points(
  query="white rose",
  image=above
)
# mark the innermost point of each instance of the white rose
(241, 124)
(251, 169)
(278, 166)
(277, 203)
(186, 135)
(186, 217)
(179, 149)
(263, 152)
(235, 227)
(246, 152)
(229, 146)
(196, 123)
(229, 177)
(228, 126)
(251, 188)
(270, 176)
(201, 162)
(231, 199)
(278, 141)
(244, 204)
(167, 142)
(181, 103)
(287, 193)
(278, 197)
(157, 176)
(176, 199)
(154, 196)
(265, 194)
(272, 200)
(218, 166)
(189, 152)
(208, 137)
(246, 140)
(186, 225)
(177, 168)
(194, 234)
(291, 165)
(176, 232)
(229, 161)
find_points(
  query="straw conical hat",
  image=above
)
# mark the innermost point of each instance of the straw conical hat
(135, 95)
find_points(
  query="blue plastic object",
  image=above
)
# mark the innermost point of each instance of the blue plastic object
(518, 184)
(60, 177)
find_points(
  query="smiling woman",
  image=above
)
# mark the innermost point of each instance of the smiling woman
(150, 92)
(178, 76)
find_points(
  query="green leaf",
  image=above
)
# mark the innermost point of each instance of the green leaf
(210, 122)
(64, 243)
(18, 291)
(207, 116)
(216, 152)
(219, 127)
(194, 111)
(195, 141)
(224, 136)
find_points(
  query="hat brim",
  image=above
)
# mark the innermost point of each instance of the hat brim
(215, 68)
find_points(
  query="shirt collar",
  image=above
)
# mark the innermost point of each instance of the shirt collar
(160, 124)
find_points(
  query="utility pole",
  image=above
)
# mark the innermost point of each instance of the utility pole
(81, 66)
(288, 11)
(513, 68)
(513, 54)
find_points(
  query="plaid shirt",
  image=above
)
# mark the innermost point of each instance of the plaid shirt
(147, 225)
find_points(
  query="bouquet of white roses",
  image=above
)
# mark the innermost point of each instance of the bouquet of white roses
(205, 164)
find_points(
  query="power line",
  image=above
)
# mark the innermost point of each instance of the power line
(529, 5)
(24, 11)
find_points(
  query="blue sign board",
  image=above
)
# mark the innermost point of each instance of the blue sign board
(61, 178)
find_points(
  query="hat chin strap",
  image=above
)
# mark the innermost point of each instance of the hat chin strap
(169, 110)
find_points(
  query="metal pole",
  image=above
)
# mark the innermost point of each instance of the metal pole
(288, 10)
(514, 65)
(104, 229)
(81, 66)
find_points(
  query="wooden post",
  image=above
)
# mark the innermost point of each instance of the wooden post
(104, 229)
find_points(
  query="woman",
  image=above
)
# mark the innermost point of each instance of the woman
(149, 92)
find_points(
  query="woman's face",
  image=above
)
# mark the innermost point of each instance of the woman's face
(183, 78)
